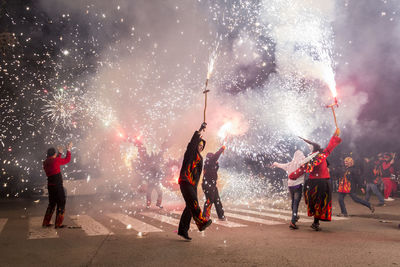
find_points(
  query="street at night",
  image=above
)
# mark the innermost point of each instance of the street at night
(258, 237)
(199, 133)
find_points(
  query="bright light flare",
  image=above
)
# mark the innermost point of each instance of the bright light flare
(225, 129)
(234, 126)
(329, 78)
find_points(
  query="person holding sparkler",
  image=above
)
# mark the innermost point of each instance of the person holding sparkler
(295, 186)
(318, 189)
(209, 185)
(55, 185)
(189, 177)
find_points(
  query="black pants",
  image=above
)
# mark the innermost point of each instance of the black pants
(295, 195)
(56, 198)
(212, 197)
(192, 209)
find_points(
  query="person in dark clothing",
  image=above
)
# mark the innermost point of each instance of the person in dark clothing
(371, 181)
(55, 185)
(209, 185)
(348, 185)
(189, 177)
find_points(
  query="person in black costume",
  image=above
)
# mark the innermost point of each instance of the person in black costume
(209, 185)
(189, 177)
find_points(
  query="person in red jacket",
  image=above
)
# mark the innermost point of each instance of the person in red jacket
(55, 185)
(387, 171)
(318, 189)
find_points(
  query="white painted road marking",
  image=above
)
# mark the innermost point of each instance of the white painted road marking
(161, 218)
(36, 231)
(251, 219)
(268, 214)
(133, 223)
(90, 226)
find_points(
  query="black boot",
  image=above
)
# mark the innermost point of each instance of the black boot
(185, 236)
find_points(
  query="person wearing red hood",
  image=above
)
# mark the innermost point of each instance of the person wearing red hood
(189, 177)
(55, 185)
(318, 189)
(387, 169)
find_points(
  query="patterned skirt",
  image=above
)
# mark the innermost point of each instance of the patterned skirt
(318, 197)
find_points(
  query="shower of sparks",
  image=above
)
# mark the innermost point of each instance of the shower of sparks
(60, 108)
(131, 80)
(211, 61)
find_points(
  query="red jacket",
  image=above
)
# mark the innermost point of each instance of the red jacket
(319, 168)
(52, 165)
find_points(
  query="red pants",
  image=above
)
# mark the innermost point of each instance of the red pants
(390, 186)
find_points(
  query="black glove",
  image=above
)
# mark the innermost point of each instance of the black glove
(203, 126)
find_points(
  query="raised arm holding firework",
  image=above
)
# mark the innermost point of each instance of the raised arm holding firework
(209, 185)
(318, 189)
(189, 177)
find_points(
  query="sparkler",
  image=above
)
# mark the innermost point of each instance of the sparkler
(61, 108)
(330, 80)
(210, 69)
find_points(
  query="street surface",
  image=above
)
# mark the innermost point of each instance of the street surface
(105, 232)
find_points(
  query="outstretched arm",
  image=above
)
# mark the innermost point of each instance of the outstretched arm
(335, 140)
(217, 154)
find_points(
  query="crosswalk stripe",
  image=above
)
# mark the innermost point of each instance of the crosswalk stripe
(132, 223)
(90, 226)
(251, 219)
(226, 223)
(36, 231)
(268, 214)
(3, 222)
(162, 218)
(300, 213)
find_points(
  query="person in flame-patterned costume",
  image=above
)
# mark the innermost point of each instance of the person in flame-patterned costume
(348, 185)
(318, 189)
(189, 177)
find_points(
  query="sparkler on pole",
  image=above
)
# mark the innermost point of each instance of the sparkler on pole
(211, 62)
(332, 106)
(330, 80)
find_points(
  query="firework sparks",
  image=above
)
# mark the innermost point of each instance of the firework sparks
(61, 108)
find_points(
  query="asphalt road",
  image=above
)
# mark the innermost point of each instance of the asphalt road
(124, 233)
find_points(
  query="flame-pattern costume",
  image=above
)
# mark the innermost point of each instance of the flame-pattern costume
(209, 184)
(318, 189)
(189, 177)
(348, 185)
(55, 188)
